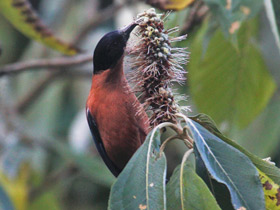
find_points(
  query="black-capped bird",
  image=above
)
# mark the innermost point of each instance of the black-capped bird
(116, 119)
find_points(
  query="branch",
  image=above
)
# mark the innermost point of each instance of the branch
(51, 63)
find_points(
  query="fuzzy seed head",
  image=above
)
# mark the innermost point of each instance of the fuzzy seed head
(155, 65)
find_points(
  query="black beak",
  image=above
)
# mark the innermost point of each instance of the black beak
(127, 30)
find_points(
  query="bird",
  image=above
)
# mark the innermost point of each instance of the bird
(117, 120)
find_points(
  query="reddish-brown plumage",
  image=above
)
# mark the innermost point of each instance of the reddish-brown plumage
(114, 107)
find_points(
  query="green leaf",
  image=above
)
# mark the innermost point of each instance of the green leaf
(5, 201)
(231, 167)
(22, 16)
(186, 190)
(231, 13)
(230, 84)
(272, 171)
(141, 185)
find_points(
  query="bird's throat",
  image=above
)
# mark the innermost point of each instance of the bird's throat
(110, 80)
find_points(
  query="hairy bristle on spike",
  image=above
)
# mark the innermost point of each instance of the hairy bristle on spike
(156, 65)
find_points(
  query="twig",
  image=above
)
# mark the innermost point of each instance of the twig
(52, 63)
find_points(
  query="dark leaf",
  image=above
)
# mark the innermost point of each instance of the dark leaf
(231, 167)
(141, 185)
(272, 171)
(219, 190)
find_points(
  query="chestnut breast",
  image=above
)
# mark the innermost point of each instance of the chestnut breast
(120, 118)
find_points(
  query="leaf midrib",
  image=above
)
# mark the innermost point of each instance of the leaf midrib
(227, 176)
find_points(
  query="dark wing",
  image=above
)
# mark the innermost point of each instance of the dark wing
(99, 145)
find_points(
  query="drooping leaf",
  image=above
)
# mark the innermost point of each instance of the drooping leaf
(170, 4)
(141, 185)
(22, 16)
(230, 84)
(229, 166)
(271, 170)
(219, 190)
(271, 192)
(231, 13)
(187, 191)
(5, 201)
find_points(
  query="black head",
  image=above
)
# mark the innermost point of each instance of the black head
(110, 49)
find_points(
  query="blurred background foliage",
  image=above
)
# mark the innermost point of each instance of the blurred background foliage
(47, 156)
